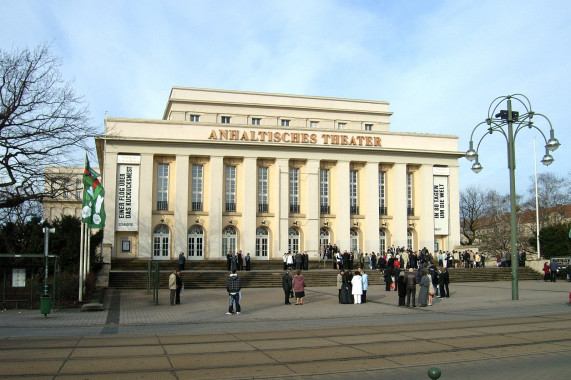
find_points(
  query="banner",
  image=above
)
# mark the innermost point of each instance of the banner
(440, 205)
(92, 209)
(127, 197)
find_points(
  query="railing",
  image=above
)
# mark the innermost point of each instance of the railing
(382, 210)
(262, 207)
(410, 211)
(196, 206)
(230, 207)
(162, 205)
(294, 209)
(354, 210)
(325, 209)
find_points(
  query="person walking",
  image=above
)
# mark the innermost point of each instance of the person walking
(410, 280)
(181, 260)
(299, 287)
(233, 287)
(172, 286)
(287, 284)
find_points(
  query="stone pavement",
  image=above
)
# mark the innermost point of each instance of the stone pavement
(135, 339)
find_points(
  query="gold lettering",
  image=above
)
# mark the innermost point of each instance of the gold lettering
(295, 137)
(369, 141)
(360, 140)
(223, 134)
(262, 135)
(313, 138)
(344, 139)
(253, 136)
(212, 135)
(353, 141)
(234, 135)
(377, 141)
(244, 136)
(335, 139)
(325, 139)
(277, 136)
(304, 138)
(286, 134)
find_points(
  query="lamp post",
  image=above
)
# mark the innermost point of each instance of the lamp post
(509, 123)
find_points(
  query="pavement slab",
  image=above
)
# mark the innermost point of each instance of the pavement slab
(94, 366)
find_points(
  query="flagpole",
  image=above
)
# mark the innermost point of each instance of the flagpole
(88, 253)
(81, 266)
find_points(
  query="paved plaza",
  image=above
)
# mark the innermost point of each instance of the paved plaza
(479, 326)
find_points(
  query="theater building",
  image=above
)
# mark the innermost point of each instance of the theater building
(271, 173)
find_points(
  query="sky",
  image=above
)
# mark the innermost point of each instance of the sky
(438, 63)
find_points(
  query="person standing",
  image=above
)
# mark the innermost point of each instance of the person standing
(172, 286)
(340, 283)
(357, 284)
(229, 261)
(546, 275)
(287, 284)
(299, 287)
(411, 280)
(233, 287)
(181, 260)
(424, 289)
(401, 288)
(365, 278)
(179, 286)
(553, 270)
(248, 260)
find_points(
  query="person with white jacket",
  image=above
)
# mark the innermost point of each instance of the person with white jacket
(357, 283)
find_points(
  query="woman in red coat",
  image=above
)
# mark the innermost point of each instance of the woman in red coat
(546, 276)
(299, 287)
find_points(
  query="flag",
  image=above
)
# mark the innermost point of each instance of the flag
(92, 210)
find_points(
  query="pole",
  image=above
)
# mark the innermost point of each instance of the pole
(536, 202)
(88, 253)
(46, 241)
(513, 220)
(80, 290)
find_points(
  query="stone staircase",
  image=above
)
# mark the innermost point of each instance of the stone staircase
(132, 274)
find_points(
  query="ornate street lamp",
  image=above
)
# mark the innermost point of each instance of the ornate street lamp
(497, 121)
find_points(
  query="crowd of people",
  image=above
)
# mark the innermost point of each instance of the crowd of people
(238, 261)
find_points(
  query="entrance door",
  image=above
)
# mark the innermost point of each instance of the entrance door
(161, 243)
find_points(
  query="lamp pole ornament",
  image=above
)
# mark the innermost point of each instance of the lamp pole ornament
(509, 123)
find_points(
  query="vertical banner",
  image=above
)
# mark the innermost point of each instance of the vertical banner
(440, 204)
(127, 208)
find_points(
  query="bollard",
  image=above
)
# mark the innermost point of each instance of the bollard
(434, 373)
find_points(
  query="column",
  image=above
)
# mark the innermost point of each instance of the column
(281, 207)
(214, 236)
(312, 199)
(250, 206)
(369, 204)
(423, 192)
(146, 226)
(181, 204)
(398, 208)
(342, 210)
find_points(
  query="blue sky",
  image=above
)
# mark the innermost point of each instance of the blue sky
(439, 63)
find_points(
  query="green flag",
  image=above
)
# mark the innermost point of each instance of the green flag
(93, 210)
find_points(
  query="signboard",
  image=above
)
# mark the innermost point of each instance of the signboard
(19, 278)
(440, 208)
(127, 206)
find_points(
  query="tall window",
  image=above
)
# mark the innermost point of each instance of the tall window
(294, 190)
(382, 241)
(195, 118)
(225, 119)
(293, 240)
(230, 189)
(228, 240)
(409, 203)
(256, 121)
(262, 189)
(197, 185)
(323, 239)
(353, 190)
(324, 191)
(78, 188)
(285, 123)
(195, 242)
(161, 242)
(163, 187)
(409, 239)
(368, 127)
(261, 242)
(354, 243)
(382, 193)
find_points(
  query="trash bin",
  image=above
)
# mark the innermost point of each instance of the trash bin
(45, 304)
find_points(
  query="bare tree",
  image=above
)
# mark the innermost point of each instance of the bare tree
(552, 194)
(42, 123)
(473, 213)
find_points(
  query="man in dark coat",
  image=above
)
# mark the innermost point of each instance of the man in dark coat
(178, 286)
(287, 286)
(410, 280)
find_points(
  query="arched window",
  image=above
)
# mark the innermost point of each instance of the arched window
(161, 242)
(293, 240)
(324, 239)
(354, 245)
(261, 242)
(409, 239)
(382, 241)
(195, 242)
(228, 240)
